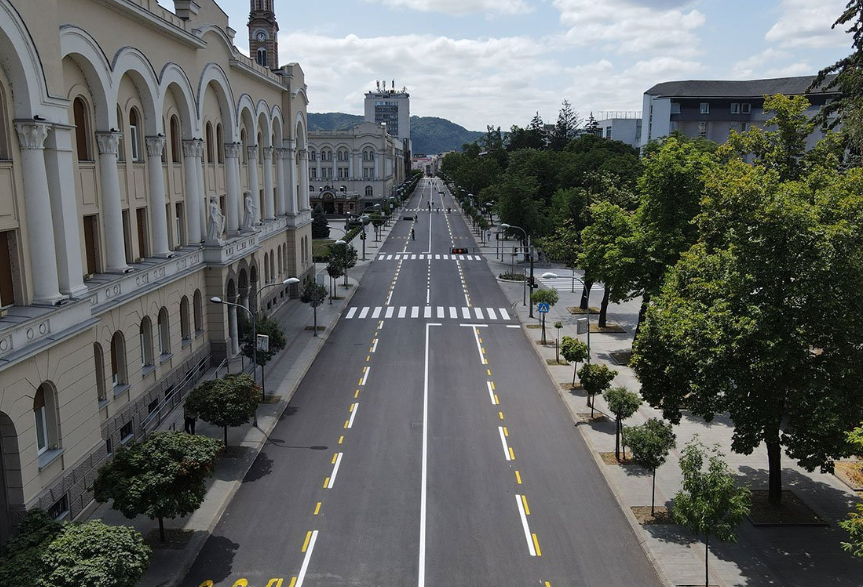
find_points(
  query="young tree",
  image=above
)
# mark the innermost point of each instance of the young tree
(320, 227)
(574, 351)
(711, 503)
(546, 296)
(334, 270)
(595, 379)
(273, 330)
(314, 295)
(162, 477)
(591, 127)
(231, 401)
(557, 326)
(623, 404)
(343, 257)
(649, 445)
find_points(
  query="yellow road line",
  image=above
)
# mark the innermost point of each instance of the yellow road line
(306, 543)
(317, 508)
(505, 432)
(357, 393)
(293, 582)
(492, 385)
(524, 503)
(511, 454)
(351, 409)
(335, 456)
(488, 371)
(496, 400)
(326, 482)
(346, 423)
(500, 415)
(536, 545)
(518, 477)
(341, 439)
(368, 358)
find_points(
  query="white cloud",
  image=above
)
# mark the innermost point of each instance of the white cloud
(754, 65)
(461, 7)
(806, 23)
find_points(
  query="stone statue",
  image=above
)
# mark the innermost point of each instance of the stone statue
(249, 220)
(216, 224)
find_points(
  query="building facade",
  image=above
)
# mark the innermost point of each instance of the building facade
(712, 109)
(624, 126)
(353, 169)
(393, 108)
(146, 165)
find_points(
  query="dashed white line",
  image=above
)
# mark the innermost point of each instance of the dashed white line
(335, 471)
(527, 534)
(503, 442)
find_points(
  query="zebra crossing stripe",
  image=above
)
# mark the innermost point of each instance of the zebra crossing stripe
(364, 312)
(478, 313)
(351, 313)
(402, 311)
(413, 257)
(465, 312)
(440, 312)
(453, 313)
(437, 257)
(415, 312)
(491, 314)
(389, 313)
(446, 257)
(427, 312)
(504, 314)
(377, 312)
(389, 257)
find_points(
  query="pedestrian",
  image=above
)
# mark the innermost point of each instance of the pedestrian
(189, 419)
(413, 234)
(416, 217)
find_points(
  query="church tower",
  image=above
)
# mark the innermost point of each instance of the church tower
(263, 34)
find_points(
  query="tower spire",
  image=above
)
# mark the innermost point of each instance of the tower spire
(263, 34)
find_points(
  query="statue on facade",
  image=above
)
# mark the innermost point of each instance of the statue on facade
(216, 223)
(249, 220)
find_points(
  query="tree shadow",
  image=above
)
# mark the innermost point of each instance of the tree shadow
(289, 411)
(215, 561)
(262, 467)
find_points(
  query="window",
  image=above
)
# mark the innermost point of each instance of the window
(118, 359)
(313, 173)
(675, 109)
(367, 173)
(4, 128)
(266, 268)
(326, 173)
(121, 150)
(41, 417)
(608, 132)
(134, 134)
(220, 144)
(185, 331)
(60, 509)
(198, 311)
(7, 268)
(312, 156)
(702, 130)
(262, 57)
(209, 138)
(745, 108)
(735, 108)
(343, 173)
(82, 130)
(145, 338)
(280, 260)
(244, 153)
(174, 129)
(141, 217)
(180, 221)
(744, 126)
(126, 431)
(99, 359)
(164, 332)
(109, 447)
(152, 406)
(272, 266)
(704, 108)
(369, 190)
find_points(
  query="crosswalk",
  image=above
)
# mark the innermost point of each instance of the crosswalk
(429, 257)
(427, 312)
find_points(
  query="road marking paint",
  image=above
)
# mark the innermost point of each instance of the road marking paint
(351, 313)
(380, 325)
(308, 556)
(428, 295)
(453, 313)
(465, 313)
(503, 313)
(518, 477)
(440, 312)
(424, 487)
(354, 408)
(481, 341)
(346, 424)
(293, 582)
(490, 392)
(478, 345)
(318, 508)
(524, 501)
(547, 584)
(427, 312)
(357, 393)
(491, 314)
(530, 545)
(326, 482)
(402, 311)
(415, 312)
(341, 439)
(506, 451)
(364, 312)
(500, 415)
(207, 583)
(368, 358)
(505, 432)
(492, 385)
(511, 454)
(437, 257)
(377, 312)
(335, 458)
(389, 257)
(513, 326)
(536, 545)
(488, 371)
(332, 478)
(389, 299)
(478, 312)
(390, 311)
(375, 345)
(366, 376)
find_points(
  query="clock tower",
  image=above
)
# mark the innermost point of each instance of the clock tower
(263, 34)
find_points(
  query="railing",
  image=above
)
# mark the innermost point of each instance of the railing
(625, 114)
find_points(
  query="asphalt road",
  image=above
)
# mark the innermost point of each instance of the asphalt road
(426, 446)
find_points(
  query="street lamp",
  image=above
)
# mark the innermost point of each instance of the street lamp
(530, 254)
(550, 275)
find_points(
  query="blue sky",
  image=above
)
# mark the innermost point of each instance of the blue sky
(479, 62)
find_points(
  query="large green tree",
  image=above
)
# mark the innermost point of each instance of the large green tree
(566, 127)
(320, 227)
(227, 402)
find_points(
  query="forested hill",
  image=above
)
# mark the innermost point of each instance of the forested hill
(429, 134)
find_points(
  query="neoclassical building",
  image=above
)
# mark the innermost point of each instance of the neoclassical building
(146, 165)
(353, 169)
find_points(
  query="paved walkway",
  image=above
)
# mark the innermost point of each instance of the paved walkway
(765, 555)
(283, 377)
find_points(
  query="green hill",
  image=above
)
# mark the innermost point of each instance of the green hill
(429, 134)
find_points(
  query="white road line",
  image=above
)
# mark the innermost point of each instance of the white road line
(490, 393)
(427, 312)
(402, 311)
(351, 313)
(364, 312)
(390, 297)
(377, 312)
(437, 257)
(335, 471)
(523, 517)
(478, 312)
(424, 491)
(465, 313)
(428, 295)
(389, 313)
(354, 409)
(365, 375)
(446, 257)
(491, 314)
(422, 257)
(389, 257)
(301, 577)
(375, 346)
(440, 312)
(513, 326)
(381, 257)
(413, 257)
(466, 299)
(453, 313)
(503, 442)
(503, 313)
(415, 312)
(478, 346)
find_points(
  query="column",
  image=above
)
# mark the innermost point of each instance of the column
(334, 178)
(37, 205)
(351, 157)
(112, 217)
(267, 212)
(377, 163)
(290, 181)
(254, 187)
(158, 218)
(232, 183)
(281, 191)
(303, 196)
(192, 152)
(232, 329)
(202, 189)
(64, 211)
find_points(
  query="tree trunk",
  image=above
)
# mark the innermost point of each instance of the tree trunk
(590, 400)
(161, 530)
(645, 301)
(774, 461)
(585, 296)
(603, 309)
(574, 371)
(706, 555)
(653, 493)
(226, 436)
(617, 438)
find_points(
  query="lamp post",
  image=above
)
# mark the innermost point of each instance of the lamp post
(530, 254)
(550, 275)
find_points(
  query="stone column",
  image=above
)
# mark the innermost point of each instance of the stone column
(232, 329)
(202, 189)
(290, 178)
(37, 206)
(351, 157)
(158, 216)
(64, 211)
(254, 185)
(377, 162)
(192, 152)
(281, 190)
(267, 212)
(232, 172)
(303, 195)
(112, 217)
(335, 176)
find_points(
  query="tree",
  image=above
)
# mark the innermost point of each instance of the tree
(557, 326)
(231, 401)
(623, 404)
(162, 477)
(314, 295)
(562, 246)
(573, 351)
(343, 257)
(710, 503)
(566, 127)
(649, 445)
(595, 379)
(591, 127)
(44, 553)
(854, 524)
(334, 270)
(270, 328)
(320, 227)
(544, 296)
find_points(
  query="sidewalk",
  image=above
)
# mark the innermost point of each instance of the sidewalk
(168, 566)
(765, 555)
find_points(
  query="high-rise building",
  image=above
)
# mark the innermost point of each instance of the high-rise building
(393, 108)
(264, 34)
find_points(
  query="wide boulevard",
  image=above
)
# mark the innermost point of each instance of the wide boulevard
(425, 446)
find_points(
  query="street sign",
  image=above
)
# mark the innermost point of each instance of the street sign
(264, 343)
(542, 307)
(581, 326)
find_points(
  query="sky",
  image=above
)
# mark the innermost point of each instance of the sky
(498, 62)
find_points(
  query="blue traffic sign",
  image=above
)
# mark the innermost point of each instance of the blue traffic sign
(543, 308)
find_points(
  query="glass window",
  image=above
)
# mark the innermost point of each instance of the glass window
(735, 108)
(40, 415)
(134, 134)
(704, 108)
(82, 130)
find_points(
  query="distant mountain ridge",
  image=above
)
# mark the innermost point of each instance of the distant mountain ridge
(429, 134)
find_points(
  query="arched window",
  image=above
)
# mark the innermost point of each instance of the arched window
(266, 268)
(279, 266)
(209, 139)
(284, 257)
(244, 153)
(99, 359)
(121, 150)
(4, 128)
(272, 266)
(175, 139)
(262, 57)
(198, 311)
(118, 359)
(45, 418)
(164, 332)
(312, 156)
(135, 134)
(82, 130)
(220, 144)
(369, 191)
(185, 330)
(145, 337)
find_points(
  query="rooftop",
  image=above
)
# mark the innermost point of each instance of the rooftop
(735, 88)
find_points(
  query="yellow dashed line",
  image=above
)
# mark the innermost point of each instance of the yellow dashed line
(500, 415)
(326, 482)
(511, 455)
(335, 457)
(317, 508)
(351, 409)
(492, 385)
(357, 393)
(346, 424)
(496, 400)
(536, 545)
(293, 582)
(488, 371)
(306, 543)
(341, 439)
(505, 432)
(368, 358)
(524, 503)
(518, 477)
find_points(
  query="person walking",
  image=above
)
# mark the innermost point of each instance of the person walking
(413, 234)
(416, 217)
(189, 418)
